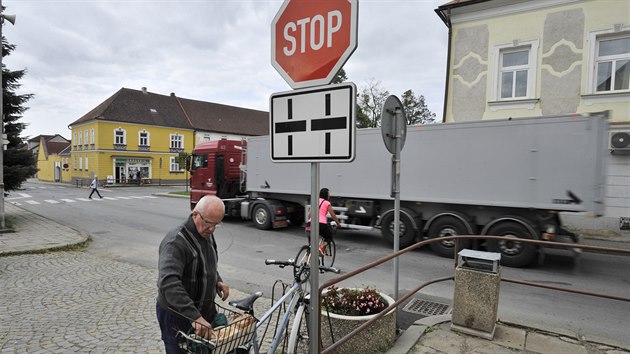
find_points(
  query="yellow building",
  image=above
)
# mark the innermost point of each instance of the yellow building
(531, 58)
(52, 153)
(136, 135)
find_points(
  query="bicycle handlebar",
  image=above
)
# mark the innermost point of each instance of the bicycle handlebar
(291, 262)
(282, 264)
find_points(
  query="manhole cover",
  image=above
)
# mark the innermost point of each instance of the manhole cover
(426, 308)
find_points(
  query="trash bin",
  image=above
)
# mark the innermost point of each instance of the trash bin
(476, 298)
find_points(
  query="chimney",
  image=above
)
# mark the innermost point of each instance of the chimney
(144, 90)
(172, 94)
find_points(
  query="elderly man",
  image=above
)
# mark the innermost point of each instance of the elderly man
(188, 279)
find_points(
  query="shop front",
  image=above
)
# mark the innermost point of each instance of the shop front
(132, 170)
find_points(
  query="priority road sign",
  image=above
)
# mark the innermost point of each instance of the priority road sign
(313, 125)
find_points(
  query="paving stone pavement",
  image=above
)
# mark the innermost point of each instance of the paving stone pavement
(72, 302)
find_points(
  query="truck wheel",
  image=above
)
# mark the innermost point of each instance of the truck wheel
(448, 226)
(407, 233)
(513, 253)
(262, 217)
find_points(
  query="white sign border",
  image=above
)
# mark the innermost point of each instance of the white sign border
(351, 131)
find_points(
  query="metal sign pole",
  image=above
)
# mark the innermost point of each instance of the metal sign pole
(314, 322)
(396, 191)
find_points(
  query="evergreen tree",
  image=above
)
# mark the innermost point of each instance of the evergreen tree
(19, 163)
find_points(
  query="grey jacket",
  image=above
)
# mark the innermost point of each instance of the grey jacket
(188, 275)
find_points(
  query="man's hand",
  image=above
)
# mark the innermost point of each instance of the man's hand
(202, 328)
(223, 290)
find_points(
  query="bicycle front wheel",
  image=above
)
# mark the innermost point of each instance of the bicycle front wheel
(299, 340)
(302, 262)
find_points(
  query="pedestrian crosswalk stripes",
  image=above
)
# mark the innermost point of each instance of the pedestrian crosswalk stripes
(22, 199)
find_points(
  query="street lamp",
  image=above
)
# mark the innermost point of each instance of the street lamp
(10, 18)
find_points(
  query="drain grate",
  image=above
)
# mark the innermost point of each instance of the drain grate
(426, 308)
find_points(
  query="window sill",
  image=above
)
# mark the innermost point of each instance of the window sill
(528, 103)
(605, 97)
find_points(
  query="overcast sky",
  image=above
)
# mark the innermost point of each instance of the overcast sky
(77, 53)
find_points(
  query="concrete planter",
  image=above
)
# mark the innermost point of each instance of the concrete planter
(375, 339)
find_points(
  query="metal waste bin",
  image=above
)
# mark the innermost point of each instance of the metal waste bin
(476, 298)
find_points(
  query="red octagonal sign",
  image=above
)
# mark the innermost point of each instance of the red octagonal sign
(312, 39)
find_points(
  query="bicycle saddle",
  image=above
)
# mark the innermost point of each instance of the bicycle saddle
(246, 304)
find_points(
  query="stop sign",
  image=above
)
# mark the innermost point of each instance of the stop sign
(311, 40)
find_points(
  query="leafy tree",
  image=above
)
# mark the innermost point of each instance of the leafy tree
(361, 118)
(371, 100)
(416, 110)
(19, 163)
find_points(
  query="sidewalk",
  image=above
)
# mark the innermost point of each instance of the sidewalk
(35, 233)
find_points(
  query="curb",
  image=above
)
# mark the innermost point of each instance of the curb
(410, 337)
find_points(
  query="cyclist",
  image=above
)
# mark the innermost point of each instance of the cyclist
(325, 207)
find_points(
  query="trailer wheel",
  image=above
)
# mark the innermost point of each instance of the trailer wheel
(513, 253)
(262, 217)
(407, 233)
(448, 226)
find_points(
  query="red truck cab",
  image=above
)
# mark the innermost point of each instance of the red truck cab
(215, 169)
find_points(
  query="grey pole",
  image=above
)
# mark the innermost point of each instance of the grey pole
(314, 322)
(396, 200)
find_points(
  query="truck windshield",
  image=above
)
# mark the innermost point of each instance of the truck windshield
(199, 161)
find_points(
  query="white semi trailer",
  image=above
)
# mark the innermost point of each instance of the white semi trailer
(506, 178)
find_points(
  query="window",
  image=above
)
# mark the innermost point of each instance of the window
(74, 139)
(200, 161)
(80, 141)
(612, 64)
(516, 70)
(120, 137)
(80, 159)
(92, 136)
(514, 74)
(74, 165)
(177, 141)
(86, 163)
(174, 164)
(85, 134)
(143, 138)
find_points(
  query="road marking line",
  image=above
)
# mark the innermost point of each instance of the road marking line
(50, 201)
(68, 200)
(32, 202)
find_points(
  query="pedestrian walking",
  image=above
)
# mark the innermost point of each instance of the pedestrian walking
(94, 186)
(188, 277)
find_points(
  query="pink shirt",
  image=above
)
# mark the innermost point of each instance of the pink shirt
(323, 210)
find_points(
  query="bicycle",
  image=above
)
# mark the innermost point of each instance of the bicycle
(243, 336)
(327, 254)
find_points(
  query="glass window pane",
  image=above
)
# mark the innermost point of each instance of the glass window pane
(521, 84)
(614, 46)
(622, 75)
(506, 85)
(604, 72)
(516, 58)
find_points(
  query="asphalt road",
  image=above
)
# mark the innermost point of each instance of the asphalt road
(129, 223)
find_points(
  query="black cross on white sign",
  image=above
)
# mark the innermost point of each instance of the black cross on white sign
(313, 125)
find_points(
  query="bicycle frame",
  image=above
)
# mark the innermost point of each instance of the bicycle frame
(296, 294)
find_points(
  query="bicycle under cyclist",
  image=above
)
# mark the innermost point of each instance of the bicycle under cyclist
(325, 208)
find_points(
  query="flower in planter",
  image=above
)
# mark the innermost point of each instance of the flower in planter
(353, 302)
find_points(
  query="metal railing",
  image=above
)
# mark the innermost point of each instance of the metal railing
(437, 280)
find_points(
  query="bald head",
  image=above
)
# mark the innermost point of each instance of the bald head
(208, 213)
